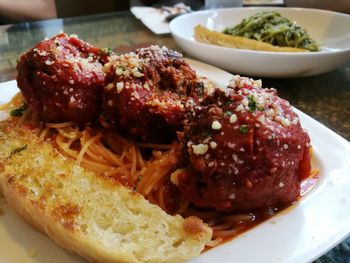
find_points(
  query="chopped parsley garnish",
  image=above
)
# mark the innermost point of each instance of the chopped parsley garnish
(19, 111)
(244, 129)
(108, 51)
(251, 103)
(18, 150)
(206, 133)
(201, 132)
(228, 102)
(228, 113)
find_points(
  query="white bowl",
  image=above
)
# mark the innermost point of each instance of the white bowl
(330, 29)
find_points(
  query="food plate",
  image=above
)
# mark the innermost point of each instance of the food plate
(330, 29)
(299, 234)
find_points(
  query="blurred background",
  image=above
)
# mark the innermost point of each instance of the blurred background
(21, 11)
(87, 7)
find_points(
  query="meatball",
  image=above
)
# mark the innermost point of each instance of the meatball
(246, 150)
(62, 79)
(147, 93)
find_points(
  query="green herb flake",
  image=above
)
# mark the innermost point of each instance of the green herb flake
(18, 150)
(206, 133)
(108, 51)
(244, 129)
(228, 113)
(19, 111)
(228, 102)
(251, 103)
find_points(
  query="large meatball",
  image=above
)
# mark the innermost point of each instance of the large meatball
(62, 79)
(246, 150)
(147, 93)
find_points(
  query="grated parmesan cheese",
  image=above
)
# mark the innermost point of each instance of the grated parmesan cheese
(216, 125)
(200, 149)
(233, 118)
(213, 145)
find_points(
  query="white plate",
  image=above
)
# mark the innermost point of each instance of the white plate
(302, 233)
(328, 28)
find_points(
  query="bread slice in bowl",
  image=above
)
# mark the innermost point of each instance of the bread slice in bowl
(205, 35)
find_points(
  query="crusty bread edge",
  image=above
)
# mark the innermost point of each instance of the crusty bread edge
(207, 36)
(69, 240)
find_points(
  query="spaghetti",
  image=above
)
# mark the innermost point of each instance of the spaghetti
(144, 167)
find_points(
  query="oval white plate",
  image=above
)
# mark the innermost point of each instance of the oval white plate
(330, 29)
(299, 234)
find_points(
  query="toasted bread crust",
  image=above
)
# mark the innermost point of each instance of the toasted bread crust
(205, 35)
(100, 220)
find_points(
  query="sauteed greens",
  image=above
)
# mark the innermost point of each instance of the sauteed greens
(272, 28)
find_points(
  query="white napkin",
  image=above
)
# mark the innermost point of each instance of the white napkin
(155, 18)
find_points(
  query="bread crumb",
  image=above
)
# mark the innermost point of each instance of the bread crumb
(32, 252)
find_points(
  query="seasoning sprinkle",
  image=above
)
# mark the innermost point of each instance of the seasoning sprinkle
(19, 111)
(244, 129)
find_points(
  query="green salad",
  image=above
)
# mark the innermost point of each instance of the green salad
(272, 28)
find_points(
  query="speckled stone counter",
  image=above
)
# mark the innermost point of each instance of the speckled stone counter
(325, 97)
